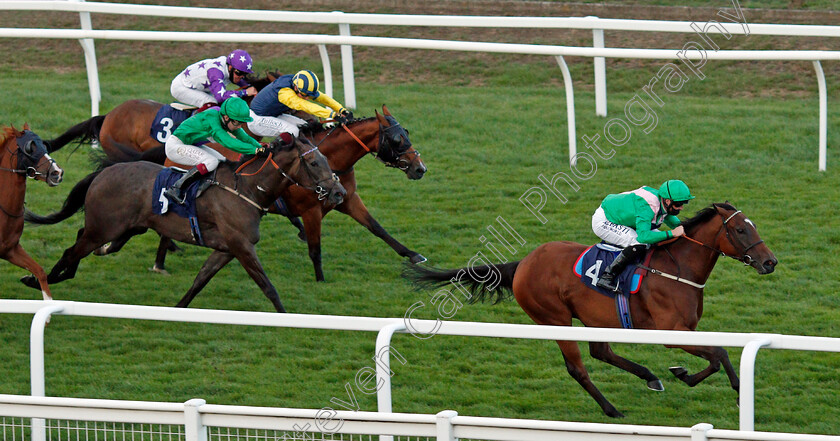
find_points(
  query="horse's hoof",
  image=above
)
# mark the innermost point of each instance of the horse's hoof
(417, 258)
(174, 248)
(302, 236)
(655, 385)
(30, 281)
(678, 372)
(162, 271)
(614, 413)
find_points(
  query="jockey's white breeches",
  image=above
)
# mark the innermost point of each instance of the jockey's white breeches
(275, 125)
(186, 95)
(192, 155)
(613, 233)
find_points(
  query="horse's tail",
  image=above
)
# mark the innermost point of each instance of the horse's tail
(492, 282)
(73, 204)
(83, 132)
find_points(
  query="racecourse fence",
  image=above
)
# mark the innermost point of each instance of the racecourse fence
(76, 419)
(386, 327)
(693, 53)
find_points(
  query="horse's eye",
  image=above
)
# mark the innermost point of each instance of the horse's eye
(27, 148)
(741, 230)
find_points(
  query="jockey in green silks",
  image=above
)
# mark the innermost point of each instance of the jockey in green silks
(631, 220)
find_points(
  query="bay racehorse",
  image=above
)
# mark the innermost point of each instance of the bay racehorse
(118, 205)
(546, 287)
(22, 155)
(381, 136)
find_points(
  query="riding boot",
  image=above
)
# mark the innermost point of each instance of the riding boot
(608, 279)
(174, 192)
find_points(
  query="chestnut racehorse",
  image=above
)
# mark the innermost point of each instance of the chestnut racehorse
(118, 205)
(22, 155)
(545, 286)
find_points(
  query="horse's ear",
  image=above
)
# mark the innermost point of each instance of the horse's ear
(385, 110)
(26, 126)
(381, 118)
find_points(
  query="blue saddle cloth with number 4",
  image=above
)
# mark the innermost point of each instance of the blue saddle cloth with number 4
(595, 259)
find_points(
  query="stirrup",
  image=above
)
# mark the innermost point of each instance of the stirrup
(176, 195)
(608, 284)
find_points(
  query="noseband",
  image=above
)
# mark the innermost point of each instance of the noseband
(745, 258)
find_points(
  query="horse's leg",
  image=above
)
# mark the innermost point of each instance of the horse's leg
(118, 243)
(312, 221)
(355, 208)
(18, 256)
(166, 244)
(574, 364)
(602, 351)
(216, 261)
(716, 356)
(67, 265)
(247, 256)
(299, 225)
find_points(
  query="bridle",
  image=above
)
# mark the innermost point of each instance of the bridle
(319, 189)
(390, 150)
(27, 162)
(745, 258)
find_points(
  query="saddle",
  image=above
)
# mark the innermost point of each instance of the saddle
(591, 264)
(594, 260)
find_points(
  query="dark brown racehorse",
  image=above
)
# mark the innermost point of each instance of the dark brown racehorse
(547, 289)
(118, 205)
(22, 155)
(382, 137)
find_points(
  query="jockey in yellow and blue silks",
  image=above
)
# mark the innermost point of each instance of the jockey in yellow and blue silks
(273, 106)
(206, 81)
(223, 126)
(632, 219)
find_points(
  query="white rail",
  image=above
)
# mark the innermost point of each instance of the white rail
(344, 20)
(387, 326)
(197, 417)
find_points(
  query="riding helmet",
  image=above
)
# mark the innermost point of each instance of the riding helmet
(236, 109)
(306, 82)
(240, 60)
(675, 190)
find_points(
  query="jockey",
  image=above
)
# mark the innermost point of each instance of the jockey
(206, 81)
(272, 108)
(632, 219)
(224, 126)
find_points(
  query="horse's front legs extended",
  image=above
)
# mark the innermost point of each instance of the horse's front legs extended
(716, 356)
(602, 351)
(66, 267)
(355, 208)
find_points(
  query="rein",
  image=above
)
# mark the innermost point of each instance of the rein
(745, 258)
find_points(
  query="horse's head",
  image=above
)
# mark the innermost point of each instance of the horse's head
(311, 170)
(395, 148)
(741, 241)
(32, 157)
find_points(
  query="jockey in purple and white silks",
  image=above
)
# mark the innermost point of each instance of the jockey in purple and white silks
(206, 81)
(632, 219)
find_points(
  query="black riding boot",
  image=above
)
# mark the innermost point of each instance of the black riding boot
(174, 192)
(629, 254)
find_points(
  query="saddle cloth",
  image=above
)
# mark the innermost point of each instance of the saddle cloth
(162, 205)
(595, 259)
(167, 119)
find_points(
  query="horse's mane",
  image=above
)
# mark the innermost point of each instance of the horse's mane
(704, 215)
(276, 145)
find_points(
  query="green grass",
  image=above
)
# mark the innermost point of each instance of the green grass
(485, 145)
